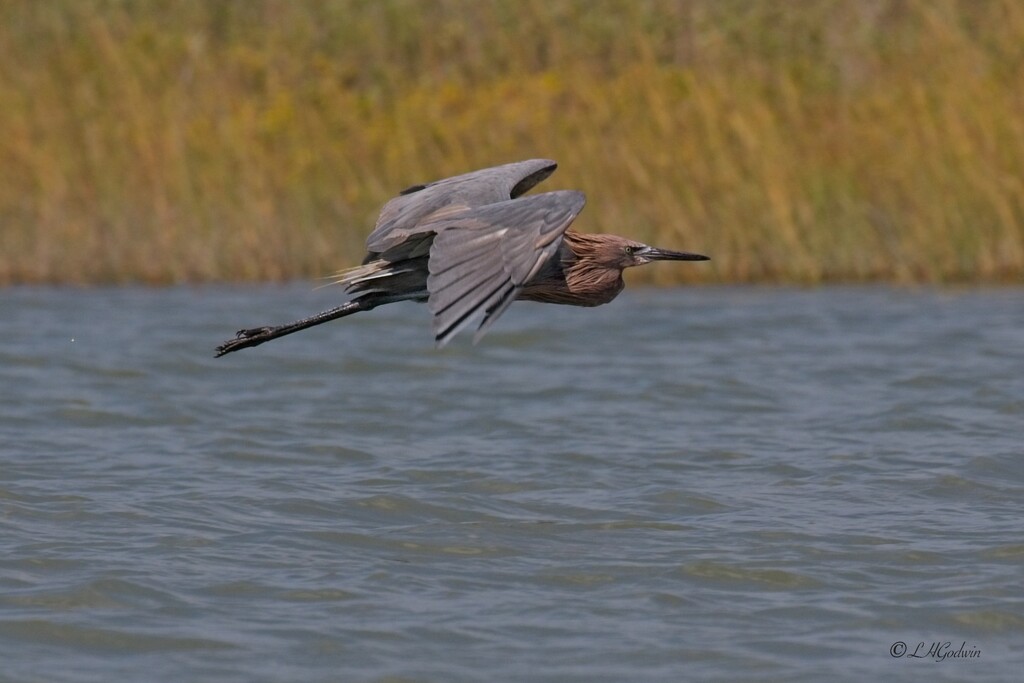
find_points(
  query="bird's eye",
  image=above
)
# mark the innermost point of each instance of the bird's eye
(630, 250)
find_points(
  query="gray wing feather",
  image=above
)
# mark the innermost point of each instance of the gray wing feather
(482, 258)
(407, 213)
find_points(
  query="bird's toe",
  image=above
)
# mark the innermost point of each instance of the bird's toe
(251, 332)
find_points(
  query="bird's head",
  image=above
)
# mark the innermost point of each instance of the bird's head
(626, 253)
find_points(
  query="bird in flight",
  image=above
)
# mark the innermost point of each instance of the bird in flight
(472, 244)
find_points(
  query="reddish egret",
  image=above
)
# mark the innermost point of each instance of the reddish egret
(471, 245)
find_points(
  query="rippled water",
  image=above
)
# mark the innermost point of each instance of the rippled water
(706, 484)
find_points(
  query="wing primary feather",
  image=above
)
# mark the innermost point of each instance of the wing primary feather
(469, 294)
(452, 328)
(470, 298)
(466, 251)
(468, 279)
(495, 312)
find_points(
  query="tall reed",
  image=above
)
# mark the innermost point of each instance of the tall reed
(160, 141)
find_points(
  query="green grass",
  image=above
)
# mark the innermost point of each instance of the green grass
(822, 140)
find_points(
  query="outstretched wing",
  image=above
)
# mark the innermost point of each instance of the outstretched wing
(407, 213)
(481, 258)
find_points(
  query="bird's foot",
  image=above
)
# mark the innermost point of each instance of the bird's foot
(251, 332)
(253, 336)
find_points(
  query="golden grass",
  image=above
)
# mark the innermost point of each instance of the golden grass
(163, 141)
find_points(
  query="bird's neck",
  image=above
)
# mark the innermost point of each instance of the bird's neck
(578, 278)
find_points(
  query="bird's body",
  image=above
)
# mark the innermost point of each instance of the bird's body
(470, 245)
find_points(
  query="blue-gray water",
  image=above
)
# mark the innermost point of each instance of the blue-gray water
(706, 484)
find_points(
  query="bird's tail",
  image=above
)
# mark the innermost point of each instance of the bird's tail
(362, 273)
(405, 279)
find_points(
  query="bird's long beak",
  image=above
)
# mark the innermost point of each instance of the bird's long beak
(655, 254)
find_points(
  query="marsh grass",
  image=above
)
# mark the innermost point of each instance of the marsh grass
(161, 141)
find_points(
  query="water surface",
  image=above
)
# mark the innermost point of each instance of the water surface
(706, 484)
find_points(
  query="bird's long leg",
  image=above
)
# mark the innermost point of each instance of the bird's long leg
(257, 335)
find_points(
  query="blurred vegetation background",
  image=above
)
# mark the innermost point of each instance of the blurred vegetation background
(168, 141)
